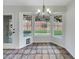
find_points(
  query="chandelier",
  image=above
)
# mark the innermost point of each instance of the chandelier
(44, 11)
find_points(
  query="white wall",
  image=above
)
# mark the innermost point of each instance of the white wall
(42, 38)
(70, 29)
(58, 41)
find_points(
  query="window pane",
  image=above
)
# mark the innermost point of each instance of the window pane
(58, 26)
(42, 25)
(27, 24)
(58, 29)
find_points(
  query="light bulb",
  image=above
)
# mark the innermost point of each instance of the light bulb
(26, 21)
(38, 10)
(48, 10)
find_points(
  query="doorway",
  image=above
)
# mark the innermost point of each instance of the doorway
(8, 31)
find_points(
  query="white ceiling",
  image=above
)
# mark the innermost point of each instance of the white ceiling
(36, 2)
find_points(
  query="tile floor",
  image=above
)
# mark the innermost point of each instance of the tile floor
(37, 51)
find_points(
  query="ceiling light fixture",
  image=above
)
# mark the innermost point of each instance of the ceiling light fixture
(44, 10)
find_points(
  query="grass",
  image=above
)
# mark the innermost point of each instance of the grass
(41, 31)
(58, 32)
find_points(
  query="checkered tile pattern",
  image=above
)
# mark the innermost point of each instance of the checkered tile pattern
(37, 51)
